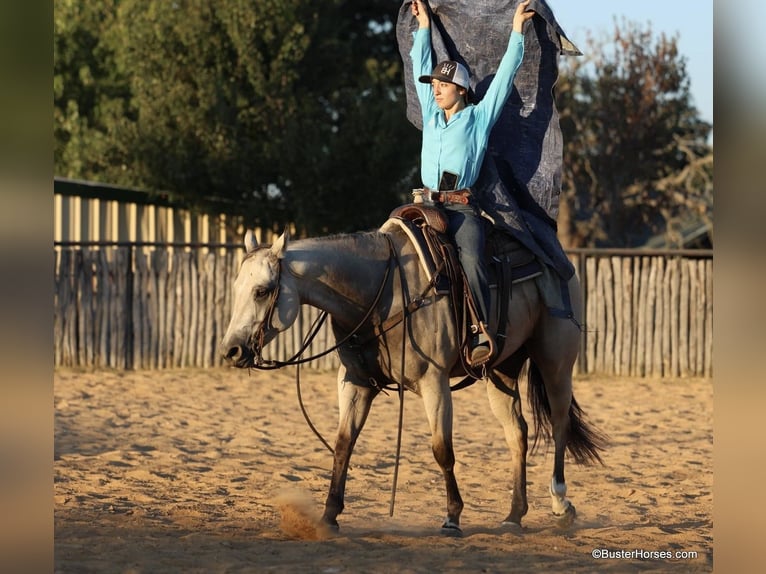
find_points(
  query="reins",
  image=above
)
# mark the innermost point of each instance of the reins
(378, 330)
(296, 359)
(401, 383)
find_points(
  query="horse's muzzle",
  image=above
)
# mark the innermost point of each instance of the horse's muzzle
(239, 356)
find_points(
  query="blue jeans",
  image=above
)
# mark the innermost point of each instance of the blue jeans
(466, 228)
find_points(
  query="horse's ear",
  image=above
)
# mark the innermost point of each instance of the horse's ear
(250, 241)
(280, 245)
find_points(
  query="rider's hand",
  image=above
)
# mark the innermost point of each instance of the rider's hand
(521, 16)
(420, 11)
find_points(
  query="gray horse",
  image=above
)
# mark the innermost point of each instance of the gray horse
(395, 329)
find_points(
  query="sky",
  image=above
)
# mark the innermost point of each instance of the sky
(691, 20)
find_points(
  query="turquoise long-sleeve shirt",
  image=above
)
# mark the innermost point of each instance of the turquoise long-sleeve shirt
(458, 146)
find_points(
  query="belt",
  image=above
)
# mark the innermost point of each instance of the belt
(458, 196)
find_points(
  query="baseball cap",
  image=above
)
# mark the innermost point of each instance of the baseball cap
(448, 71)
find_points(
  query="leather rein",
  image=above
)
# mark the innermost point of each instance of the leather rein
(401, 317)
(259, 337)
(407, 309)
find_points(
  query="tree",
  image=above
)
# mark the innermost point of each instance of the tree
(636, 157)
(90, 94)
(278, 110)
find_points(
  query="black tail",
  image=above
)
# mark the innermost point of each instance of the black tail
(584, 441)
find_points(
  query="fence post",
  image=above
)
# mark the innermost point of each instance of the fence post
(129, 327)
(114, 289)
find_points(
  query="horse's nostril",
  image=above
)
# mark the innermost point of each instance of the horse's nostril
(234, 353)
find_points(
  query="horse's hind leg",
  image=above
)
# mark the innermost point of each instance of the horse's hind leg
(437, 401)
(553, 386)
(550, 381)
(354, 401)
(505, 401)
(559, 392)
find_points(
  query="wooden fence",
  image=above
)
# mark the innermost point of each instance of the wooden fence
(88, 212)
(153, 306)
(144, 308)
(140, 285)
(647, 315)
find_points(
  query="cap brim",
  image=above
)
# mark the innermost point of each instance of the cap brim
(429, 79)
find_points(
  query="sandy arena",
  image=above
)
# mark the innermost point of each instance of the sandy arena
(216, 471)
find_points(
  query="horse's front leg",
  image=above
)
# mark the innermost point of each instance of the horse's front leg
(437, 401)
(354, 401)
(505, 401)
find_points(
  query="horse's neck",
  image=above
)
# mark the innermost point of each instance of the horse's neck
(339, 275)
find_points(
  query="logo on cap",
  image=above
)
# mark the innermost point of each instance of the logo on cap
(447, 69)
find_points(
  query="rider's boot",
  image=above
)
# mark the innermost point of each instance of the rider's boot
(483, 346)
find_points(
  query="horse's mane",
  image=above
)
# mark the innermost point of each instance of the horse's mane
(363, 239)
(347, 240)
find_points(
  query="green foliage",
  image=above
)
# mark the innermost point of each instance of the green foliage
(282, 111)
(636, 156)
(293, 111)
(90, 96)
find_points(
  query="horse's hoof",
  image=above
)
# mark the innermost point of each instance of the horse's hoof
(449, 528)
(511, 525)
(329, 526)
(566, 519)
(328, 530)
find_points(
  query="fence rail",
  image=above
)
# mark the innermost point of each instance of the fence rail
(90, 213)
(139, 307)
(154, 305)
(647, 315)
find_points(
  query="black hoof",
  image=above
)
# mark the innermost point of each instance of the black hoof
(515, 526)
(330, 525)
(449, 528)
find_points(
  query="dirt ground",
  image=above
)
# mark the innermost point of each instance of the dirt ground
(216, 471)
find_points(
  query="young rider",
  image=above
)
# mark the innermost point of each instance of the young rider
(455, 136)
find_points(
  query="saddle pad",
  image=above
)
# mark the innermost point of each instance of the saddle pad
(426, 261)
(554, 294)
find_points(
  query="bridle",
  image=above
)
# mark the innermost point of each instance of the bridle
(259, 337)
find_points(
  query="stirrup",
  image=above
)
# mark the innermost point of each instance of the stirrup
(483, 352)
(480, 355)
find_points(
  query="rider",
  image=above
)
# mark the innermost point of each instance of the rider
(455, 135)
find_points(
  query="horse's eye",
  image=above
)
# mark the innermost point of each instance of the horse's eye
(261, 292)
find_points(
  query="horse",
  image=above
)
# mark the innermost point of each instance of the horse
(393, 329)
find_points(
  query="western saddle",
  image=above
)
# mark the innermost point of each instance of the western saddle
(508, 262)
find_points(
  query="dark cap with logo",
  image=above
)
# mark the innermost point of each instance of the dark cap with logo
(448, 71)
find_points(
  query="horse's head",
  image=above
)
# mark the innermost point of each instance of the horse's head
(264, 303)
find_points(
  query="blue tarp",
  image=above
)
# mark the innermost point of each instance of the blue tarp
(520, 179)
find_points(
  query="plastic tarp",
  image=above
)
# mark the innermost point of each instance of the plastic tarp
(520, 179)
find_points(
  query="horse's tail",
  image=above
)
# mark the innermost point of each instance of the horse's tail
(584, 442)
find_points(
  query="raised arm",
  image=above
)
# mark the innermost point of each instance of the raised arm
(421, 55)
(500, 88)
